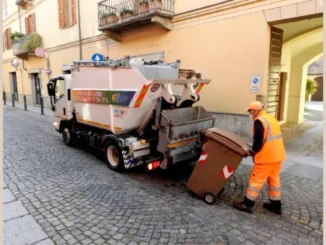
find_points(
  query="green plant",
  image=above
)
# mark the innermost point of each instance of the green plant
(103, 16)
(311, 88)
(112, 14)
(144, 2)
(16, 35)
(32, 42)
(25, 46)
(126, 11)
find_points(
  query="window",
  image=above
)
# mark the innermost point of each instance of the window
(30, 24)
(67, 13)
(5, 10)
(6, 39)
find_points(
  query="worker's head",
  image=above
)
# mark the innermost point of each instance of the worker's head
(255, 108)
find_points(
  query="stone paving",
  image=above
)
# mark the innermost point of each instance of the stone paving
(77, 199)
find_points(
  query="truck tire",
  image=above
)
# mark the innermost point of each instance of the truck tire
(114, 156)
(68, 137)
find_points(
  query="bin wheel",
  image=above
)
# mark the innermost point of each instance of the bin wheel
(209, 198)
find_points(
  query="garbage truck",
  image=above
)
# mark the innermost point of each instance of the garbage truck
(133, 112)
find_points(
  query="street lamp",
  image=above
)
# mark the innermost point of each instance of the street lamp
(14, 63)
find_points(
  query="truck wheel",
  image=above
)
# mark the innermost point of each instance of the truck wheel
(114, 155)
(67, 136)
(209, 198)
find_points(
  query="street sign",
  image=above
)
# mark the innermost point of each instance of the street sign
(40, 52)
(255, 83)
(97, 57)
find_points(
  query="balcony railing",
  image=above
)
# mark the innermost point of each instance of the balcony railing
(115, 12)
(20, 46)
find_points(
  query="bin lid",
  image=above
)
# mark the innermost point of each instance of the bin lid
(228, 139)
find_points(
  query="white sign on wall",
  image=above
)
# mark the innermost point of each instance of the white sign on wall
(255, 84)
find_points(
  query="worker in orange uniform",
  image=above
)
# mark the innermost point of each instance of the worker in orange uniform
(268, 153)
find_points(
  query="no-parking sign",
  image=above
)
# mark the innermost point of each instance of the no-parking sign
(255, 83)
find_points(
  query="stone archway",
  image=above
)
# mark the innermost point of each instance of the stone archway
(297, 54)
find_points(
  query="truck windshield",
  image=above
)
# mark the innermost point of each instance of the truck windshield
(59, 89)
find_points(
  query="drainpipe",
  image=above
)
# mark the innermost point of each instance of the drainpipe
(80, 33)
(20, 24)
(20, 30)
(23, 63)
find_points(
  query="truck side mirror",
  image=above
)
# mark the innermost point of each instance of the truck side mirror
(51, 90)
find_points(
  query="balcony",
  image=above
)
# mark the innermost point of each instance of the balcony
(24, 46)
(24, 3)
(115, 16)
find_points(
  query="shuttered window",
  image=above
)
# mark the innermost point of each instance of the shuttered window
(30, 24)
(67, 13)
(6, 39)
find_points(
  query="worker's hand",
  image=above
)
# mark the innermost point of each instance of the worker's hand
(250, 152)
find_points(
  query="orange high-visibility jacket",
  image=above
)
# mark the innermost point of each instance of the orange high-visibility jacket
(273, 147)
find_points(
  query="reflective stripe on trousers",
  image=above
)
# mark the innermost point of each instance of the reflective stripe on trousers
(260, 173)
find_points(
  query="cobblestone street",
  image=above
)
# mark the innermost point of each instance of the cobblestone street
(77, 199)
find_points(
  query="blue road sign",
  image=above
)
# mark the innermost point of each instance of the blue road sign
(97, 57)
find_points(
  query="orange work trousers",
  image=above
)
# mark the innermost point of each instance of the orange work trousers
(260, 173)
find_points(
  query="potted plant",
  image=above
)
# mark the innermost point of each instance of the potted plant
(126, 13)
(32, 42)
(16, 36)
(311, 88)
(155, 4)
(103, 19)
(111, 17)
(143, 7)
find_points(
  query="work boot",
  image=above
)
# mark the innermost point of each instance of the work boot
(245, 205)
(273, 206)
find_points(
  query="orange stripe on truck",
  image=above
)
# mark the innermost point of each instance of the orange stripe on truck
(199, 87)
(141, 96)
(93, 123)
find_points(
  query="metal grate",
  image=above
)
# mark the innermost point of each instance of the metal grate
(20, 45)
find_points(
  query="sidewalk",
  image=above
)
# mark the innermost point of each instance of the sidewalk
(18, 224)
(36, 109)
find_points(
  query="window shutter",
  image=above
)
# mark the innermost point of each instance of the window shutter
(5, 40)
(33, 21)
(60, 13)
(8, 38)
(73, 11)
(27, 26)
(65, 11)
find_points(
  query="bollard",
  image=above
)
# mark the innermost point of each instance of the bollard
(25, 103)
(13, 100)
(4, 98)
(42, 109)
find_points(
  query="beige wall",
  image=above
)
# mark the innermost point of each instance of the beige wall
(228, 43)
(229, 68)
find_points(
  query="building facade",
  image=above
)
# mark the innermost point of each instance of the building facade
(234, 43)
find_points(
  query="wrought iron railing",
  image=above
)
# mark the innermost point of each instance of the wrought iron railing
(113, 11)
(20, 45)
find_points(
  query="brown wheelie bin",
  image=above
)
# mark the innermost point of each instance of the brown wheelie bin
(221, 156)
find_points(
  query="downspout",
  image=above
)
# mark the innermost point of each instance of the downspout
(80, 33)
(20, 30)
